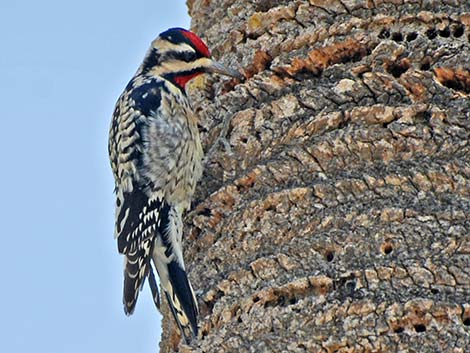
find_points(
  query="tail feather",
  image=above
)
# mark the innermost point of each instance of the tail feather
(183, 329)
(183, 298)
(136, 269)
(168, 260)
(178, 291)
(154, 288)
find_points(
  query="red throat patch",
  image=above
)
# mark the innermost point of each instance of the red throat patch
(198, 43)
(182, 80)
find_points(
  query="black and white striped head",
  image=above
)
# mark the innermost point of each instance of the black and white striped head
(179, 55)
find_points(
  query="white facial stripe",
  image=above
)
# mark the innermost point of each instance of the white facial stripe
(178, 66)
(165, 46)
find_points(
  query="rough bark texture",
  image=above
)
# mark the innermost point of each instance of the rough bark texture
(333, 215)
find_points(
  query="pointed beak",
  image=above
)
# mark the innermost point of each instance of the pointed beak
(221, 69)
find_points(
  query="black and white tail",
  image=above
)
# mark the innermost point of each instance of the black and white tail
(168, 260)
(136, 269)
(137, 216)
(149, 229)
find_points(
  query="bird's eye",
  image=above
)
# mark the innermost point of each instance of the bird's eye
(188, 56)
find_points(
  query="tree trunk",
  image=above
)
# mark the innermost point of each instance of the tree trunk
(333, 215)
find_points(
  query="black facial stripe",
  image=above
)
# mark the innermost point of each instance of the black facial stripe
(186, 56)
(172, 75)
(152, 59)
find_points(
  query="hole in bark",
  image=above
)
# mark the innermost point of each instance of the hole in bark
(356, 57)
(216, 261)
(265, 5)
(396, 69)
(445, 33)
(466, 321)
(420, 328)
(397, 36)
(399, 329)
(280, 301)
(351, 285)
(456, 79)
(384, 33)
(252, 36)
(286, 298)
(458, 30)
(424, 116)
(205, 212)
(256, 299)
(431, 33)
(387, 248)
(239, 319)
(411, 36)
(425, 66)
(244, 139)
(329, 255)
(348, 284)
(434, 291)
(307, 73)
(270, 208)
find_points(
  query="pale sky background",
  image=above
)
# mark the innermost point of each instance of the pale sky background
(63, 65)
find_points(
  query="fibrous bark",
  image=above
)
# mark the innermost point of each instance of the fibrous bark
(333, 214)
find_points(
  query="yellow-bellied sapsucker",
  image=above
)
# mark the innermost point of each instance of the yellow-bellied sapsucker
(156, 155)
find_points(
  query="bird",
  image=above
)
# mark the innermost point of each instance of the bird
(156, 159)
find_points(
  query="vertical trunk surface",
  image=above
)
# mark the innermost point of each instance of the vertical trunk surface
(333, 215)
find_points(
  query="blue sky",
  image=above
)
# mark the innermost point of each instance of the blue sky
(63, 65)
